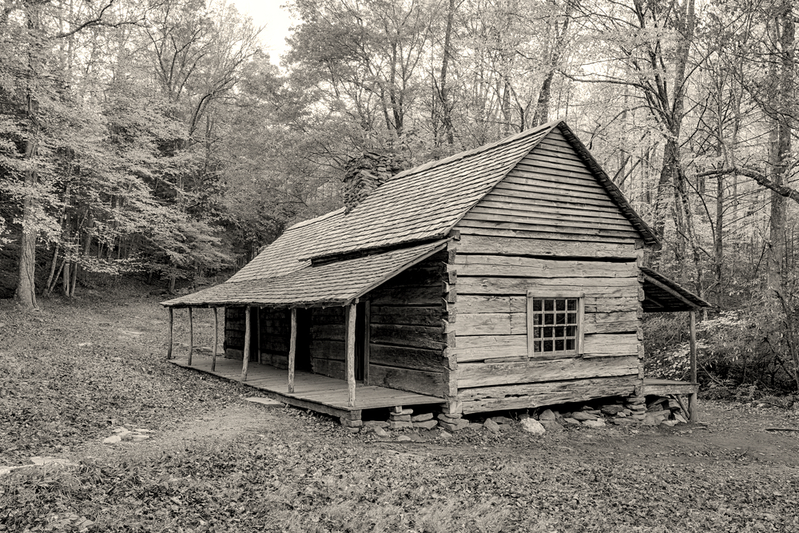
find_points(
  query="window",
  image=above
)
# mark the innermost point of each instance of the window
(554, 324)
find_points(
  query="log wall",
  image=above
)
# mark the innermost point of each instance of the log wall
(233, 345)
(407, 337)
(328, 334)
(274, 336)
(548, 225)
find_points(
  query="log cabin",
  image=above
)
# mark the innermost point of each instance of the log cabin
(505, 277)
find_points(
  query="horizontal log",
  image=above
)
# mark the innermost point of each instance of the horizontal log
(330, 368)
(620, 322)
(332, 332)
(542, 370)
(411, 336)
(590, 287)
(492, 324)
(543, 394)
(328, 316)
(423, 296)
(477, 244)
(406, 315)
(486, 347)
(487, 265)
(611, 305)
(606, 345)
(421, 382)
(476, 304)
(322, 349)
(405, 357)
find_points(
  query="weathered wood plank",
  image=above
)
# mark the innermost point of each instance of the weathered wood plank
(542, 191)
(604, 345)
(591, 287)
(618, 322)
(541, 394)
(331, 332)
(324, 349)
(532, 211)
(412, 336)
(329, 367)
(475, 304)
(406, 357)
(422, 296)
(544, 222)
(541, 370)
(406, 315)
(499, 200)
(556, 227)
(485, 347)
(478, 244)
(568, 180)
(470, 228)
(560, 157)
(431, 383)
(492, 324)
(246, 353)
(542, 268)
(611, 305)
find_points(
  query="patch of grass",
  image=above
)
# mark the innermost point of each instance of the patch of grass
(217, 465)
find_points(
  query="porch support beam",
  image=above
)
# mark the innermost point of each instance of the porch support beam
(292, 348)
(171, 324)
(216, 338)
(246, 355)
(350, 355)
(191, 336)
(692, 399)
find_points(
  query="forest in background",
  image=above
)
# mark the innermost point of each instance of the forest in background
(155, 136)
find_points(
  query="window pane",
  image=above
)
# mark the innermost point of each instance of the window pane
(536, 305)
(549, 319)
(560, 305)
(572, 305)
(537, 333)
(549, 305)
(548, 332)
(570, 344)
(572, 318)
(571, 331)
(536, 320)
(559, 332)
(537, 346)
(559, 345)
(547, 346)
(560, 318)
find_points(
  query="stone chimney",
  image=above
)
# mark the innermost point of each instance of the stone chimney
(366, 173)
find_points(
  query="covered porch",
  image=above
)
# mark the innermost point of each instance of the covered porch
(663, 295)
(310, 391)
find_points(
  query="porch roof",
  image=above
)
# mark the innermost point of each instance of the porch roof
(331, 284)
(663, 295)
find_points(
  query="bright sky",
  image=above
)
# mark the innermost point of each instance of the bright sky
(277, 20)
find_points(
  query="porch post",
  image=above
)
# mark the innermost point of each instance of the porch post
(169, 347)
(351, 353)
(292, 349)
(246, 355)
(692, 399)
(191, 336)
(216, 338)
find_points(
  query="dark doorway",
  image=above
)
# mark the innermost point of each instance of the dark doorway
(302, 360)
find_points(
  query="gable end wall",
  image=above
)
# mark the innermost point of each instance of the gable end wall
(550, 225)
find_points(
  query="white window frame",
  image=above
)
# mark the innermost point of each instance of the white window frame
(543, 294)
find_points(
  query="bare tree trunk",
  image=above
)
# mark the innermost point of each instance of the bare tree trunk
(25, 294)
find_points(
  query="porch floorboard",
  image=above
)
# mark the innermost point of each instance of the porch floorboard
(311, 391)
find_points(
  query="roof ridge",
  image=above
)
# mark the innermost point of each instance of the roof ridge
(474, 151)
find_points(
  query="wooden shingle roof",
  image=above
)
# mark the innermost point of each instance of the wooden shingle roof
(663, 295)
(420, 205)
(332, 284)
